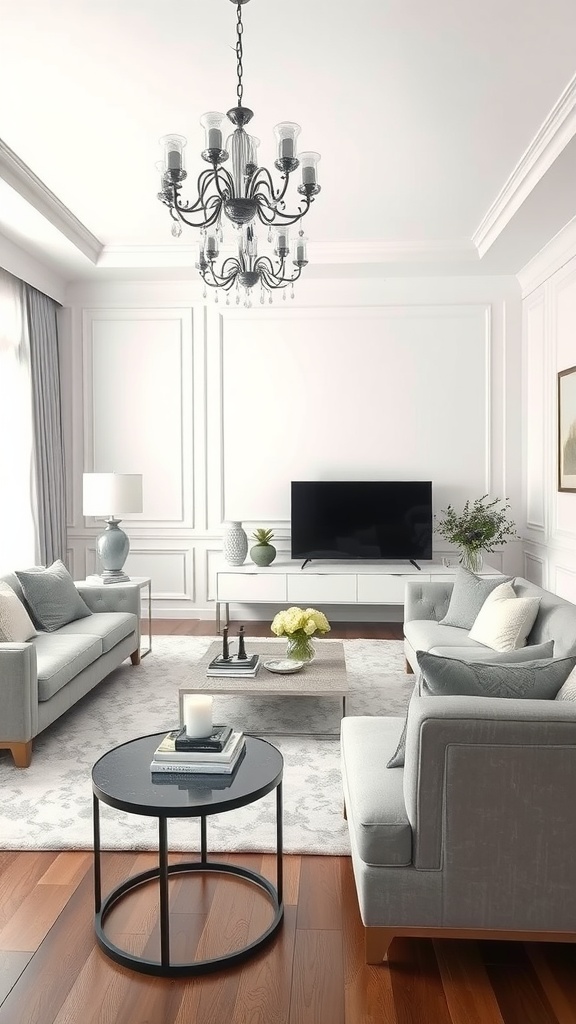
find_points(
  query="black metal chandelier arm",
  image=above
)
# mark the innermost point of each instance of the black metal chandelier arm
(223, 280)
(225, 188)
(270, 216)
(274, 277)
(262, 179)
(210, 218)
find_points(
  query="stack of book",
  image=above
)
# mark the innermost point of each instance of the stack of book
(217, 754)
(234, 667)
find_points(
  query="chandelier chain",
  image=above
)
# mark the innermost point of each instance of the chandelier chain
(239, 54)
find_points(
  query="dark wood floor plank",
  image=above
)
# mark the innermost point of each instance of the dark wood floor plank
(368, 996)
(556, 976)
(18, 878)
(266, 980)
(67, 868)
(520, 996)
(339, 630)
(320, 902)
(316, 999)
(467, 988)
(51, 973)
(416, 983)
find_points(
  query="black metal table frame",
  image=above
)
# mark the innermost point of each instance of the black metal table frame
(164, 968)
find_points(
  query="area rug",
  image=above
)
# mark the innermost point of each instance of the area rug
(49, 805)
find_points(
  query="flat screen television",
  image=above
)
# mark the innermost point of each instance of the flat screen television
(372, 520)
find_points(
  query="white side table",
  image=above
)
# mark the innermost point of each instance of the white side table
(144, 582)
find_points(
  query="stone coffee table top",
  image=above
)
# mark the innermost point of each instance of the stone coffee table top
(324, 676)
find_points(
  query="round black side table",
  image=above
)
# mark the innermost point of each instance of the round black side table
(122, 779)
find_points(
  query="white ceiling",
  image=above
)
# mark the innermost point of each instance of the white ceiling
(421, 111)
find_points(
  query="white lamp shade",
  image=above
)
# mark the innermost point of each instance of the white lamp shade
(112, 494)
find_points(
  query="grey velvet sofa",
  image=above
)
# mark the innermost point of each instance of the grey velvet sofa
(427, 603)
(475, 835)
(42, 678)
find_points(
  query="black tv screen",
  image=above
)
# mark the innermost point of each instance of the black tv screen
(381, 519)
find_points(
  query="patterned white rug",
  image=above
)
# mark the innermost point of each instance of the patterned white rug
(49, 805)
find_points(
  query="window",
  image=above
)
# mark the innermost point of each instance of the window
(17, 531)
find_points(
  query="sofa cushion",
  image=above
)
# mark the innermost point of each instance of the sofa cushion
(51, 596)
(535, 680)
(468, 595)
(505, 620)
(533, 653)
(59, 658)
(537, 652)
(375, 797)
(423, 634)
(16, 626)
(111, 627)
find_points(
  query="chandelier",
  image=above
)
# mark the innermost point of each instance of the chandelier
(244, 194)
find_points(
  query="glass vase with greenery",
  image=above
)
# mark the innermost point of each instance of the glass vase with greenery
(482, 525)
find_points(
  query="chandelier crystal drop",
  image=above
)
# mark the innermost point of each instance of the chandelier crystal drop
(241, 195)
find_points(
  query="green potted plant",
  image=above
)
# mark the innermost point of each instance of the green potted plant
(263, 552)
(482, 525)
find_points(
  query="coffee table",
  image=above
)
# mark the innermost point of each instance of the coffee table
(325, 676)
(122, 778)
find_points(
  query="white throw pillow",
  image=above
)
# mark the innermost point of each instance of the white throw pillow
(15, 623)
(505, 620)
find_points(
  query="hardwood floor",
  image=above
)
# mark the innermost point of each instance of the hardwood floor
(52, 972)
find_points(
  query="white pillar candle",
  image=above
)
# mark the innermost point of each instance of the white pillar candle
(198, 715)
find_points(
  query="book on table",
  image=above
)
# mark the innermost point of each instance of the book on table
(178, 739)
(231, 670)
(234, 664)
(220, 762)
(198, 782)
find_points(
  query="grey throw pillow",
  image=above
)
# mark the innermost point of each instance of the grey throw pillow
(538, 652)
(468, 595)
(51, 596)
(532, 680)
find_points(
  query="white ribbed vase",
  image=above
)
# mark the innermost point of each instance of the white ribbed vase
(235, 544)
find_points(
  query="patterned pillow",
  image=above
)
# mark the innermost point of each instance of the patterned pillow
(52, 597)
(527, 655)
(16, 626)
(532, 680)
(468, 595)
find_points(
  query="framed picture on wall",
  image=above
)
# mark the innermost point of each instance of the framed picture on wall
(567, 429)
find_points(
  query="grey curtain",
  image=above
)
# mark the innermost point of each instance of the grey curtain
(50, 512)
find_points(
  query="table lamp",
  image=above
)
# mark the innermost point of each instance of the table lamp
(106, 495)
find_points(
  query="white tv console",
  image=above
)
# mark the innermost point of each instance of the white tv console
(324, 583)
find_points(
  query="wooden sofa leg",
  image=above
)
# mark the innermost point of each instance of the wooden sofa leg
(377, 943)
(21, 752)
(135, 657)
(409, 669)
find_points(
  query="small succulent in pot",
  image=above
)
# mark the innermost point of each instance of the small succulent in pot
(263, 552)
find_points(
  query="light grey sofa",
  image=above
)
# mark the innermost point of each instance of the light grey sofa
(475, 835)
(427, 603)
(42, 678)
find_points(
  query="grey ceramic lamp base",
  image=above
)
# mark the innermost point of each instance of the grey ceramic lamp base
(113, 547)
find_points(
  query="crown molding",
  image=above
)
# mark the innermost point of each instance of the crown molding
(338, 252)
(554, 134)
(555, 255)
(18, 175)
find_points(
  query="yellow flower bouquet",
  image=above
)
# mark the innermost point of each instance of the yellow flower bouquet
(300, 625)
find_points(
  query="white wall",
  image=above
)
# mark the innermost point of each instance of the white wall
(549, 345)
(221, 407)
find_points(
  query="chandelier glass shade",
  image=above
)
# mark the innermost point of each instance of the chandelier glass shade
(243, 195)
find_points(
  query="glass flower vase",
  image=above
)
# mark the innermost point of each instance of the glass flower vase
(471, 559)
(300, 648)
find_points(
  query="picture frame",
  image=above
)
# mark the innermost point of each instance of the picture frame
(567, 429)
